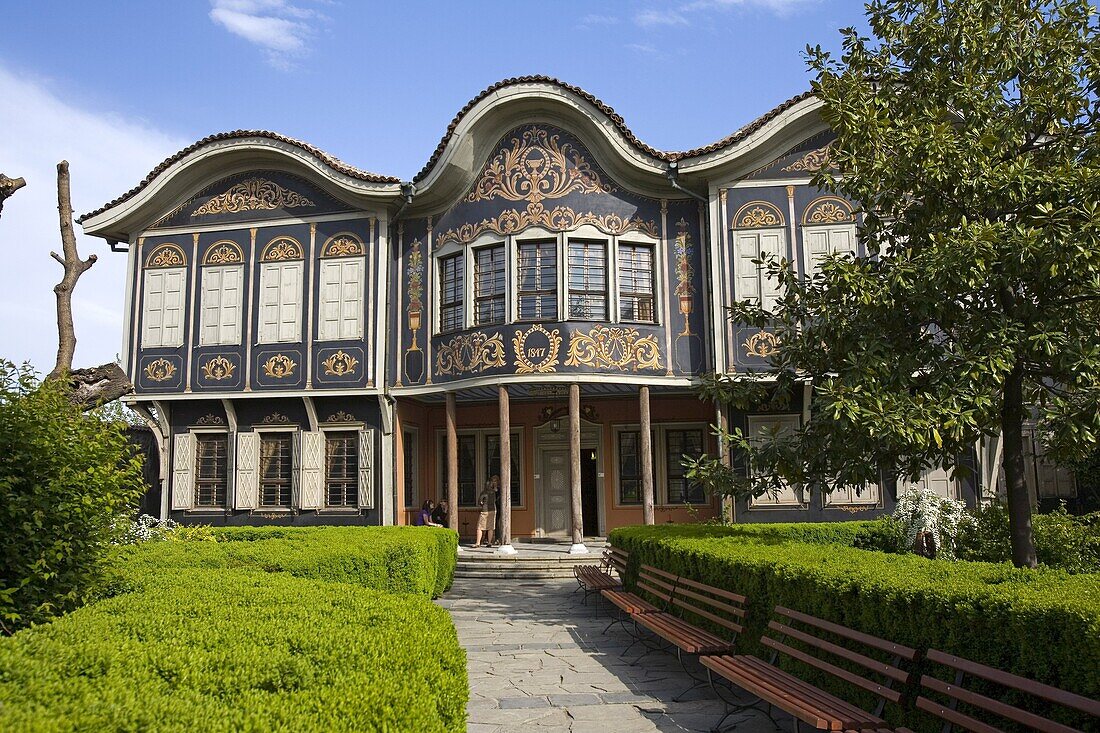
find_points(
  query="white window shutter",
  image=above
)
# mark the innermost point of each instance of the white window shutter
(210, 305)
(330, 301)
(366, 468)
(290, 302)
(295, 468)
(247, 487)
(771, 246)
(351, 299)
(183, 468)
(231, 297)
(310, 469)
(748, 274)
(842, 240)
(776, 425)
(817, 248)
(269, 303)
(173, 306)
(153, 307)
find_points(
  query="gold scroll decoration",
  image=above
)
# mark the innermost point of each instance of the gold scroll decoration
(159, 370)
(342, 245)
(536, 350)
(253, 194)
(166, 255)
(756, 214)
(536, 166)
(224, 252)
(613, 347)
(281, 249)
(218, 369)
(811, 162)
(828, 210)
(474, 352)
(761, 344)
(558, 219)
(340, 364)
(279, 366)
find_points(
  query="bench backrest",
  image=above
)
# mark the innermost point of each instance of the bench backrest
(657, 583)
(617, 560)
(884, 679)
(716, 605)
(985, 707)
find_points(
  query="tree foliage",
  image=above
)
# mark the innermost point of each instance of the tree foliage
(966, 130)
(65, 479)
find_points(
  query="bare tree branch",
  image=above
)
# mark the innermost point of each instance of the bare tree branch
(74, 268)
(8, 186)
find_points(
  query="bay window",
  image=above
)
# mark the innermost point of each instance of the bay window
(537, 286)
(451, 305)
(636, 301)
(588, 280)
(489, 267)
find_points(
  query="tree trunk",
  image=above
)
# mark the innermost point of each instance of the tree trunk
(1019, 499)
(74, 268)
(8, 186)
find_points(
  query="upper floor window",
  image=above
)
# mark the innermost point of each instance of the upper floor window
(636, 283)
(281, 291)
(163, 297)
(828, 227)
(450, 294)
(489, 266)
(537, 287)
(588, 280)
(759, 237)
(221, 296)
(343, 284)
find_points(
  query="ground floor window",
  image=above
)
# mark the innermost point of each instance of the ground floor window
(478, 460)
(341, 469)
(761, 427)
(492, 462)
(275, 469)
(670, 444)
(410, 447)
(211, 469)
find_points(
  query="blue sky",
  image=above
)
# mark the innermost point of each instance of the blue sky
(115, 87)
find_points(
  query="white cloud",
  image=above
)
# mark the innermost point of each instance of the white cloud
(652, 18)
(689, 13)
(276, 26)
(107, 155)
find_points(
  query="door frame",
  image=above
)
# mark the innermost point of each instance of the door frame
(546, 439)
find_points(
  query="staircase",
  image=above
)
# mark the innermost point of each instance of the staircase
(532, 561)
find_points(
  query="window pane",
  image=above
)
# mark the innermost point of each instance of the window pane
(630, 468)
(636, 283)
(412, 466)
(681, 444)
(492, 463)
(451, 309)
(211, 469)
(538, 281)
(275, 470)
(467, 470)
(489, 285)
(341, 469)
(588, 280)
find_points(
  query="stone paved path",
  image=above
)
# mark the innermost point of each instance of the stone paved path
(538, 660)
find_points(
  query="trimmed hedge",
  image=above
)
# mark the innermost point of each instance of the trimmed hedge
(1042, 624)
(236, 650)
(396, 559)
(318, 629)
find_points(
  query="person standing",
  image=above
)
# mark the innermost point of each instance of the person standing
(487, 511)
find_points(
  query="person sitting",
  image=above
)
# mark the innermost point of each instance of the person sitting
(423, 518)
(442, 514)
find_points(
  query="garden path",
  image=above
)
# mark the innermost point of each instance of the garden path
(538, 660)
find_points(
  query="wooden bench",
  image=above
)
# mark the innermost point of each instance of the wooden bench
(960, 705)
(806, 703)
(650, 579)
(595, 578)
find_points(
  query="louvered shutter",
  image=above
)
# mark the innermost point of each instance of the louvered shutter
(211, 305)
(330, 301)
(366, 468)
(295, 468)
(231, 296)
(153, 306)
(311, 461)
(842, 240)
(248, 471)
(752, 279)
(173, 307)
(351, 299)
(771, 245)
(776, 425)
(183, 471)
(290, 302)
(269, 303)
(817, 248)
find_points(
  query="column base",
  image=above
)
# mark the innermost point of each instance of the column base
(505, 550)
(578, 549)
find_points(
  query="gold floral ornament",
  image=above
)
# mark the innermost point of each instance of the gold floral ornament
(761, 344)
(276, 418)
(224, 252)
(166, 255)
(342, 245)
(209, 419)
(281, 249)
(613, 347)
(828, 210)
(341, 416)
(811, 162)
(473, 352)
(218, 369)
(279, 366)
(415, 271)
(536, 350)
(159, 370)
(537, 166)
(685, 289)
(558, 219)
(757, 214)
(340, 364)
(253, 194)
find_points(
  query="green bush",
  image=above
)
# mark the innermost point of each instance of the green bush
(1062, 540)
(64, 478)
(885, 535)
(238, 650)
(1042, 624)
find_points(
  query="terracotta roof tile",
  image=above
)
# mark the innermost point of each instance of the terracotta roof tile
(332, 161)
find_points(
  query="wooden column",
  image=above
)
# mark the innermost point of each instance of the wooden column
(575, 469)
(645, 436)
(505, 473)
(452, 461)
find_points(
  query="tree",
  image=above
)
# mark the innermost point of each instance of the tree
(8, 186)
(967, 131)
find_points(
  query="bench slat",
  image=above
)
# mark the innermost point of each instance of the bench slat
(731, 625)
(1016, 715)
(872, 641)
(952, 716)
(809, 690)
(869, 685)
(852, 656)
(689, 638)
(714, 602)
(1022, 684)
(739, 599)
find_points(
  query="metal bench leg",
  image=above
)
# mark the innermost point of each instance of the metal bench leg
(696, 681)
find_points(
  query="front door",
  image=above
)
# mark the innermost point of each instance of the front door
(555, 493)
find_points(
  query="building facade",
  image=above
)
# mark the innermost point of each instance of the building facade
(318, 344)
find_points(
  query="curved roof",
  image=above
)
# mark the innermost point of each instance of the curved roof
(330, 160)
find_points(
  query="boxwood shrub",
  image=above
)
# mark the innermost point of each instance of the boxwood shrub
(1041, 624)
(238, 650)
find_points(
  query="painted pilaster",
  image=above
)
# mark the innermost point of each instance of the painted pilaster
(253, 298)
(311, 290)
(190, 341)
